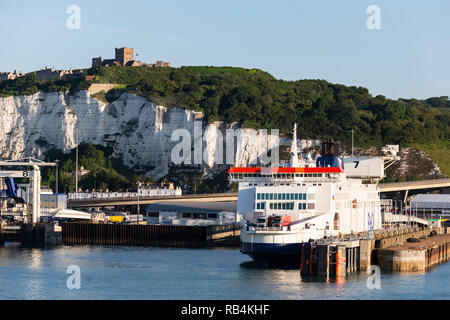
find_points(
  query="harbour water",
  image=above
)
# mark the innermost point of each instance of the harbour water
(188, 274)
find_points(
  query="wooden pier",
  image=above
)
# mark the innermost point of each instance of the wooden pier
(150, 235)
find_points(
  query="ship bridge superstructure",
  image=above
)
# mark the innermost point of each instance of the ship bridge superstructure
(286, 174)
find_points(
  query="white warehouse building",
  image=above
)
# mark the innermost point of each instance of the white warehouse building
(431, 203)
(143, 191)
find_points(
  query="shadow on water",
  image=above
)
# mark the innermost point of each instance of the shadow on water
(9, 244)
(224, 248)
(316, 279)
(254, 265)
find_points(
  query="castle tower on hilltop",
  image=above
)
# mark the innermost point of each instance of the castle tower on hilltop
(124, 55)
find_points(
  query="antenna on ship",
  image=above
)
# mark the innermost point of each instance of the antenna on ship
(76, 168)
(294, 149)
(353, 132)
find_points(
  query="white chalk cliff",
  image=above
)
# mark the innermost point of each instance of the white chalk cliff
(138, 130)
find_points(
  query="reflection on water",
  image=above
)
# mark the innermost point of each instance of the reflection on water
(35, 259)
(164, 273)
(254, 265)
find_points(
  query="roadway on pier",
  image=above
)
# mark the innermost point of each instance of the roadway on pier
(383, 187)
(214, 197)
(414, 185)
(395, 218)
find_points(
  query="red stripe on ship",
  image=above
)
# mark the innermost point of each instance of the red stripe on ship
(286, 170)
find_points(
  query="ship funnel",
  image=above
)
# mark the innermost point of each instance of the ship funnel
(328, 147)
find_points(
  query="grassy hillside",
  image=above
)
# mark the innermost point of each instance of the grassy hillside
(97, 169)
(439, 153)
(258, 100)
(30, 84)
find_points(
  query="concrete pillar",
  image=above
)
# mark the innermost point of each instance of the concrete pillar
(306, 264)
(51, 236)
(36, 182)
(341, 261)
(351, 259)
(323, 260)
(365, 254)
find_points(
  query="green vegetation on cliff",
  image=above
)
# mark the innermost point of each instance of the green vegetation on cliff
(97, 169)
(258, 100)
(30, 84)
(438, 152)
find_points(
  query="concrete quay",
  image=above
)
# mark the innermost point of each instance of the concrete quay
(415, 256)
(387, 239)
(390, 250)
(39, 235)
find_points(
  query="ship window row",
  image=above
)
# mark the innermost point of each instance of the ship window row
(304, 206)
(279, 175)
(285, 196)
(299, 175)
(286, 206)
(260, 205)
(188, 215)
(282, 205)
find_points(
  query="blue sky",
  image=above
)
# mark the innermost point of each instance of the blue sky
(409, 57)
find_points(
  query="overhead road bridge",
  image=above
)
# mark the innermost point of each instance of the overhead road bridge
(414, 185)
(404, 218)
(106, 202)
(220, 197)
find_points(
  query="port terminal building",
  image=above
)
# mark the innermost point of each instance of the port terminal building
(432, 204)
(192, 213)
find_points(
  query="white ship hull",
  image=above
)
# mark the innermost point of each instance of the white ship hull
(284, 207)
(274, 248)
(284, 247)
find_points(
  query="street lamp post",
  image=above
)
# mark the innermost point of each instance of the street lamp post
(353, 132)
(57, 173)
(76, 169)
(139, 187)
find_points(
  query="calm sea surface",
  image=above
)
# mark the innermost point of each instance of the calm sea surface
(157, 273)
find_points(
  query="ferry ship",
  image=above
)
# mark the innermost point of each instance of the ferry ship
(308, 199)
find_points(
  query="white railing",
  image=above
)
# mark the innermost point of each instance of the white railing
(253, 228)
(120, 195)
(287, 179)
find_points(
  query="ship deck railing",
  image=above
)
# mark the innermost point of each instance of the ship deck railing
(252, 228)
(269, 178)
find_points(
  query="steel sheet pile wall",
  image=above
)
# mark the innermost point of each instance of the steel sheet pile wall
(412, 257)
(329, 261)
(224, 235)
(134, 235)
(439, 253)
(16, 236)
